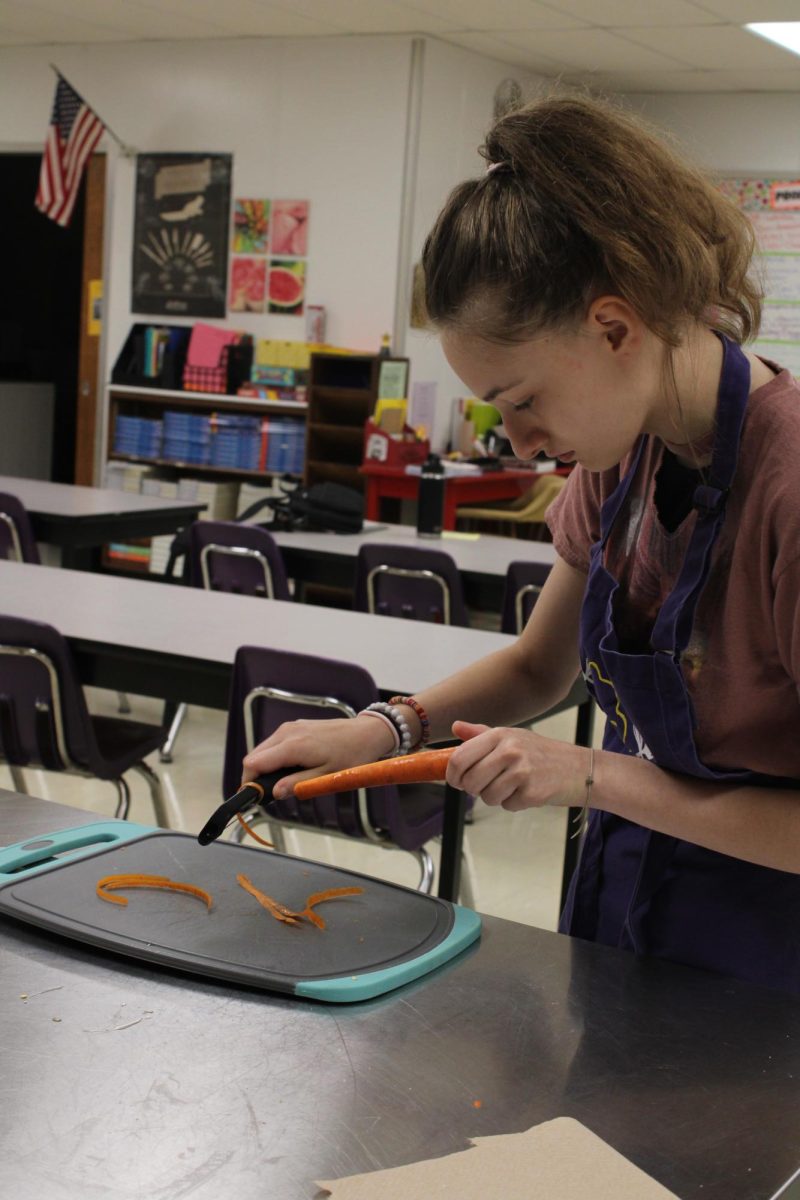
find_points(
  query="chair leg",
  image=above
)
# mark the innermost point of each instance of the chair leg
(123, 702)
(165, 754)
(426, 866)
(124, 801)
(156, 793)
(18, 778)
(466, 895)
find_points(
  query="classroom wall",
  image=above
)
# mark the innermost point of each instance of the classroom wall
(748, 133)
(457, 106)
(321, 119)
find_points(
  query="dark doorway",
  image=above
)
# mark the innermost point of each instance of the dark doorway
(40, 300)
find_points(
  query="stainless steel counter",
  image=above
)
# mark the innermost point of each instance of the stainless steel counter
(127, 1082)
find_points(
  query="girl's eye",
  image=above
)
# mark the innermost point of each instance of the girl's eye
(526, 404)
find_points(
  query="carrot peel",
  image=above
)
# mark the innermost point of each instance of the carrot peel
(249, 829)
(408, 768)
(288, 915)
(109, 883)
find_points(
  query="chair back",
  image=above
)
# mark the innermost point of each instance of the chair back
(44, 719)
(226, 556)
(17, 542)
(524, 582)
(270, 687)
(409, 581)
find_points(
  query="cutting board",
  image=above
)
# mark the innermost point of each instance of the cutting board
(372, 943)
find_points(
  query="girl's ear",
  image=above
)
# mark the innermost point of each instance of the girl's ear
(616, 320)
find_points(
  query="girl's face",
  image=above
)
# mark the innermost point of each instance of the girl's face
(579, 397)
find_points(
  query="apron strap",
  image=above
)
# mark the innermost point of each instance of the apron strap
(673, 626)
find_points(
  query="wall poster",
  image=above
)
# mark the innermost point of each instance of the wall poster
(773, 207)
(180, 237)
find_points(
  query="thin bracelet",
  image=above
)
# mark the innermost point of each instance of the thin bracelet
(414, 704)
(397, 719)
(390, 725)
(581, 820)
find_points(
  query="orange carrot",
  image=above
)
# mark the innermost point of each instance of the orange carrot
(409, 768)
(109, 882)
(249, 829)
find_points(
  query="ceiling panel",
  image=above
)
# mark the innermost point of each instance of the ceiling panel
(620, 45)
(723, 46)
(593, 50)
(488, 44)
(479, 16)
(622, 13)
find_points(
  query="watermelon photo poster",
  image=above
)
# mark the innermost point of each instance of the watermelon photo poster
(250, 227)
(287, 286)
(289, 228)
(248, 284)
(180, 236)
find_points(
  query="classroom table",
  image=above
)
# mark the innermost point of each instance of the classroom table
(128, 1080)
(482, 559)
(79, 521)
(393, 483)
(178, 644)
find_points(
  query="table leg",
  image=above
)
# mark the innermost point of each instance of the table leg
(455, 808)
(584, 731)
(372, 501)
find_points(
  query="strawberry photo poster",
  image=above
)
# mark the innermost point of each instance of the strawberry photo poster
(248, 284)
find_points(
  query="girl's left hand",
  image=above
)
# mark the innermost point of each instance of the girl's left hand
(516, 769)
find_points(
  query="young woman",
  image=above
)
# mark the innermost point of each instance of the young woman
(596, 289)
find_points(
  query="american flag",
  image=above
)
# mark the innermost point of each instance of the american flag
(72, 136)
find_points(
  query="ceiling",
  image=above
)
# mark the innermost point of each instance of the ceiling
(617, 45)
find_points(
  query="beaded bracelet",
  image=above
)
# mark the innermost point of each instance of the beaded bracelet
(390, 725)
(397, 719)
(414, 704)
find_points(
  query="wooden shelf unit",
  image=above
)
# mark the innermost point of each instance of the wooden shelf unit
(342, 392)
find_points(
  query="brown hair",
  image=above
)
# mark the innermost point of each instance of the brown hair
(582, 199)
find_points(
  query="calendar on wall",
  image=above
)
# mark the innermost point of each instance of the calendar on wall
(773, 206)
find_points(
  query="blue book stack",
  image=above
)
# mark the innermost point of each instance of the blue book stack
(187, 438)
(236, 442)
(286, 445)
(139, 436)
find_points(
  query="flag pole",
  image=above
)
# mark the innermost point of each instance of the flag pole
(125, 150)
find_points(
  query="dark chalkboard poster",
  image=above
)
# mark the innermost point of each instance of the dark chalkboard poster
(180, 237)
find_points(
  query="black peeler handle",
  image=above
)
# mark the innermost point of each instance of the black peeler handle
(259, 791)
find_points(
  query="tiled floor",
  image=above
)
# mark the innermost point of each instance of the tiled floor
(514, 859)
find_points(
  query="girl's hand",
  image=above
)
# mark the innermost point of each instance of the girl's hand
(319, 746)
(517, 769)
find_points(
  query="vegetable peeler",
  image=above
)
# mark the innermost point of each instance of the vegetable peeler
(408, 768)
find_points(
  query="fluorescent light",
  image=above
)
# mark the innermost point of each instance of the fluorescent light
(785, 33)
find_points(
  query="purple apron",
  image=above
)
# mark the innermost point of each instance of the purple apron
(644, 891)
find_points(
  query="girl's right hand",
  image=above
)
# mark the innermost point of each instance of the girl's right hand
(318, 746)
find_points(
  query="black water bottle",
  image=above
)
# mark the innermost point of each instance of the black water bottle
(430, 503)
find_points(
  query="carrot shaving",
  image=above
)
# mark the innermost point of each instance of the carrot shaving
(249, 829)
(112, 882)
(276, 910)
(281, 913)
(409, 768)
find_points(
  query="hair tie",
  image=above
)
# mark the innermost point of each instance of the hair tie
(493, 166)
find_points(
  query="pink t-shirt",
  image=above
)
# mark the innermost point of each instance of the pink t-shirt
(742, 664)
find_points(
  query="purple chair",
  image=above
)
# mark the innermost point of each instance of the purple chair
(524, 582)
(270, 687)
(409, 581)
(225, 556)
(17, 542)
(44, 719)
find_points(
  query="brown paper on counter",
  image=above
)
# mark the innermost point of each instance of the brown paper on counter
(560, 1158)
